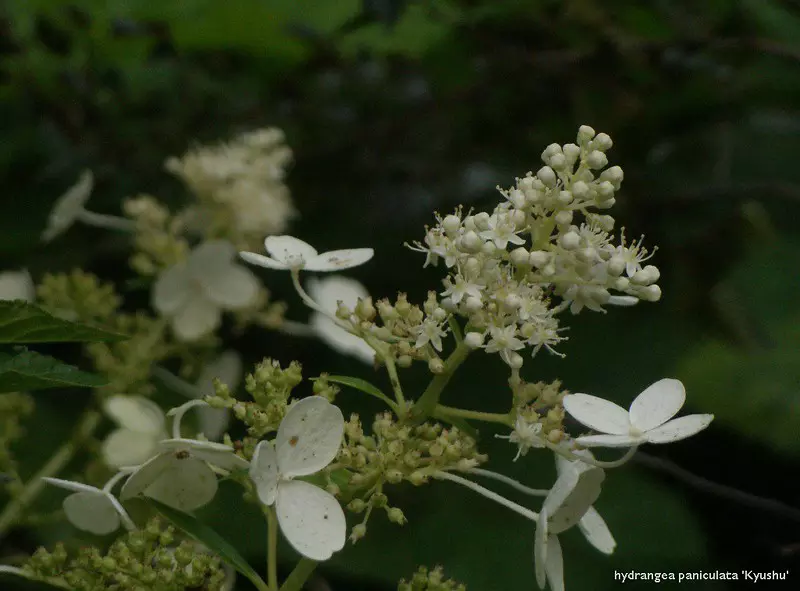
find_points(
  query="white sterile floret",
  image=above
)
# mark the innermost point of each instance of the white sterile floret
(592, 525)
(430, 331)
(181, 475)
(228, 369)
(69, 207)
(526, 434)
(194, 292)
(92, 509)
(648, 420)
(290, 253)
(142, 425)
(328, 293)
(17, 285)
(573, 493)
(308, 440)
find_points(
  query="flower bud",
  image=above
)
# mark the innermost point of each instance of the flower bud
(570, 240)
(404, 361)
(357, 505)
(489, 248)
(653, 273)
(358, 532)
(470, 242)
(365, 309)
(394, 476)
(418, 478)
(436, 365)
(571, 153)
(547, 176)
(549, 152)
(517, 198)
(607, 204)
(473, 304)
(565, 197)
(614, 175)
(585, 133)
(652, 293)
(451, 224)
(596, 160)
(396, 515)
(564, 218)
(580, 189)
(515, 360)
(605, 190)
(473, 340)
(519, 256)
(558, 162)
(482, 221)
(602, 142)
(621, 283)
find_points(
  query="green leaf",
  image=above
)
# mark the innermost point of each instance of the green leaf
(362, 385)
(28, 370)
(202, 533)
(22, 322)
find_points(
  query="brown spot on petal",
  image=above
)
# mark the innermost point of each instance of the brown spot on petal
(293, 441)
(182, 454)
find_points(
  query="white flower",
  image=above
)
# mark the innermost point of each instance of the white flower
(181, 475)
(17, 285)
(572, 495)
(288, 252)
(502, 230)
(504, 341)
(526, 435)
(461, 289)
(592, 525)
(141, 426)
(228, 369)
(647, 422)
(69, 207)
(430, 331)
(92, 509)
(194, 292)
(308, 440)
(328, 293)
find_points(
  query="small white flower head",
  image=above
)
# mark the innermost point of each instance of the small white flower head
(526, 434)
(592, 525)
(290, 253)
(193, 293)
(572, 495)
(142, 425)
(308, 440)
(17, 285)
(92, 509)
(504, 341)
(648, 420)
(69, 207)
(181, 475)
(328, 292)
(430, 331)
(228, 369)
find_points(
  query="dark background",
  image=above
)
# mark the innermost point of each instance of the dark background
(395, 109)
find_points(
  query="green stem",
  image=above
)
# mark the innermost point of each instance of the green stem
(57, 462)
(430, 397)
(391, 369)
(299, 575)
(591, 461)
(272, 548)
(486, 417)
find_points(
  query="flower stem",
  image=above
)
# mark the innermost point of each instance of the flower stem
(535, 492)
(299, 575)
(430, 397)
(110, 222)
(272, 548)
(487, 417)
(485, 492)
(57, 462)
(591, 461)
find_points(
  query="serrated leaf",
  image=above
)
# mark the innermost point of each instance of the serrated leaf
(212, 540)
(22, 322)
(28, 370)
(363, 386)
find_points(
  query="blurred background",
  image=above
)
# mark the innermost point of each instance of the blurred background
(395, 109)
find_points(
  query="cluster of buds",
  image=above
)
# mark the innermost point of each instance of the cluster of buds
(270, 385)
(14, 407)
(239, 187)
(430, 580)
(78, 296)
(504, 267)
(157, 235)
(144, 559)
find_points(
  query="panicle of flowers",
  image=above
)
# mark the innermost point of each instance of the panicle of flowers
(430, 580)
(544, 240)
(239, 186)
(79, 296)
(150, 558)
(158, 235)
(14, 408)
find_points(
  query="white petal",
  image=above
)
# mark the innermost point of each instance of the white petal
(571, 496)
(92, 512)
(225, 283)
(309, 437)
(563, 464)
(540, 549)
(657, 404)
(311, 519)
(625, 301)
(217, 454)
(331, 290)
(136, 413)
(197, 318)
(340, 340)
(71, 485)
(69, 206)
(596, 531)
(338, 260)
(262, 261)
(172, 289)
(678, 429)
(186, 484)
(288, 249)
(124, 447)
(554, 564)
(609, 441)
(264, 472)
(227, 367)
(213, 421)
(145, 475)
(597, 413)
(17, 285)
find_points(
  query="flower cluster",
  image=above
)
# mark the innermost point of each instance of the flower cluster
(430, 580)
